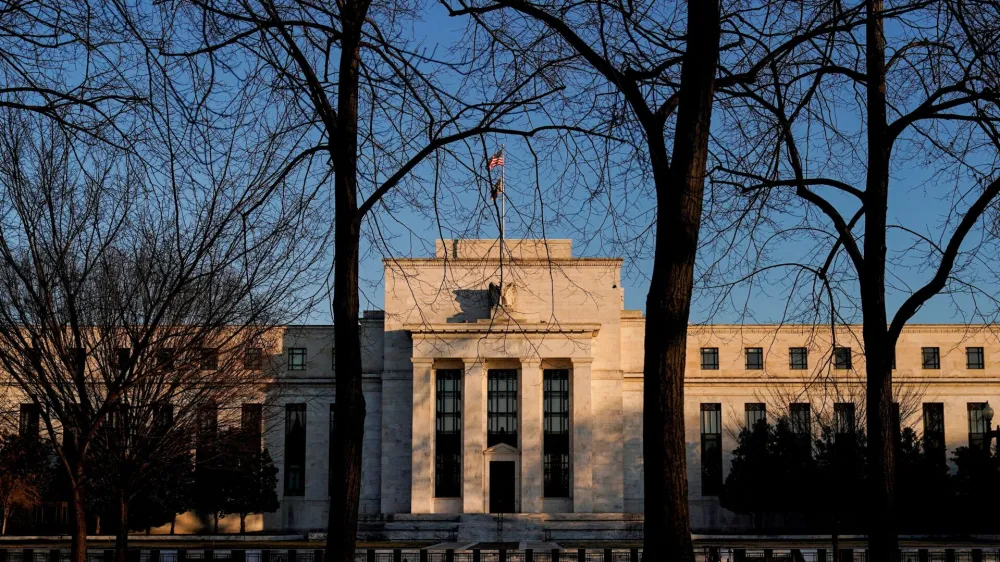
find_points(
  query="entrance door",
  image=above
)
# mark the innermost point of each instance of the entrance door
(501, 486)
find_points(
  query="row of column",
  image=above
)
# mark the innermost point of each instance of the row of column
(474, 494)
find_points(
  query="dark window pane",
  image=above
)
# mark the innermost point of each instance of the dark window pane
(296, 359)
(755, 357)
(448, 437)
(843, 418)
(798, 358)
(77, 357)
(977, 425)
(975, 358)
(556, 433)
(208, 423)
(333, 436)
(501, 407)
(934, 444)
(842, 358)
(710, 358)
(253, 358)
(123, 357)
(756, 412)
(28, 422)
(205, 454)
(209, 360)
(163, 419)
(711, 449)
(930, 357)
(251, 418)
(165, 358)
(295, 449)
(801, 424)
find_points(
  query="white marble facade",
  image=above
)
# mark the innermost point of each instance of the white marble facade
(549, 310)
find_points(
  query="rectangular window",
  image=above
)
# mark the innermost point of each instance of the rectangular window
(977, 425)
(165, 358)
(756, 412)
(208, 423)
(556, 433)
(163, 419)
(253, 358)
(930, 357)
(934, 446)
(841, 358)
(28, 422)
(295, 449)
(755, 358)
(77, 358)
(207, 427)
(33, 356)
(208, 359)
(250, 424)
(296, 359)
(501, 407)
(330, 445)
(843, 419)
(798, 358)
(710, 358)
(800, 420)
(975, 358)
(711, 449)
(123, 357)
(448, 439)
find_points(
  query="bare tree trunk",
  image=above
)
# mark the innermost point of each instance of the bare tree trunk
(680, 188)
(341, 534)
(78, 529)
(243, 523)
(97, 524)
(121, 538)
(882, 540)
(3, 524)
(173, 522)
(215, 527)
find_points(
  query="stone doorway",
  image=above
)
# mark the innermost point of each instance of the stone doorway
(502, 487)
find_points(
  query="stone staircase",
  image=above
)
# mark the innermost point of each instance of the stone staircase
(512, 527)
(423, 527)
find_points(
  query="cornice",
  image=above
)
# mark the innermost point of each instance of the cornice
(700, 329)
(501, 328)
(565, 262)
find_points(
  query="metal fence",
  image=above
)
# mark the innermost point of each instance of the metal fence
(703, 554)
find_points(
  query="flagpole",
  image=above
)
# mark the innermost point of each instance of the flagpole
(503, 196)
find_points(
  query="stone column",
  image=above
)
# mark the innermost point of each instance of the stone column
(422, 475)
(531, 436)
(582, 424)
(474, 436)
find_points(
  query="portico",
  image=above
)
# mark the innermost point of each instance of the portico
(505, 399)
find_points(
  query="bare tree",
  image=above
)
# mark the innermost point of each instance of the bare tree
(368, 105)
(813, 165)
(114, 281)
(25, 472)
(70, 62)
(632, 56)
(182, 383)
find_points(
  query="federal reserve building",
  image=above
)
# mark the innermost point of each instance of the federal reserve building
(511, 383)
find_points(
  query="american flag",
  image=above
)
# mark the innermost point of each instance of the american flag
(495, 160)
(498, 186)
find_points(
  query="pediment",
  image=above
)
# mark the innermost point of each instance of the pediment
(502, 448)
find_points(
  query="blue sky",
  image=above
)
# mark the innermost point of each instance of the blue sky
(913, 202)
